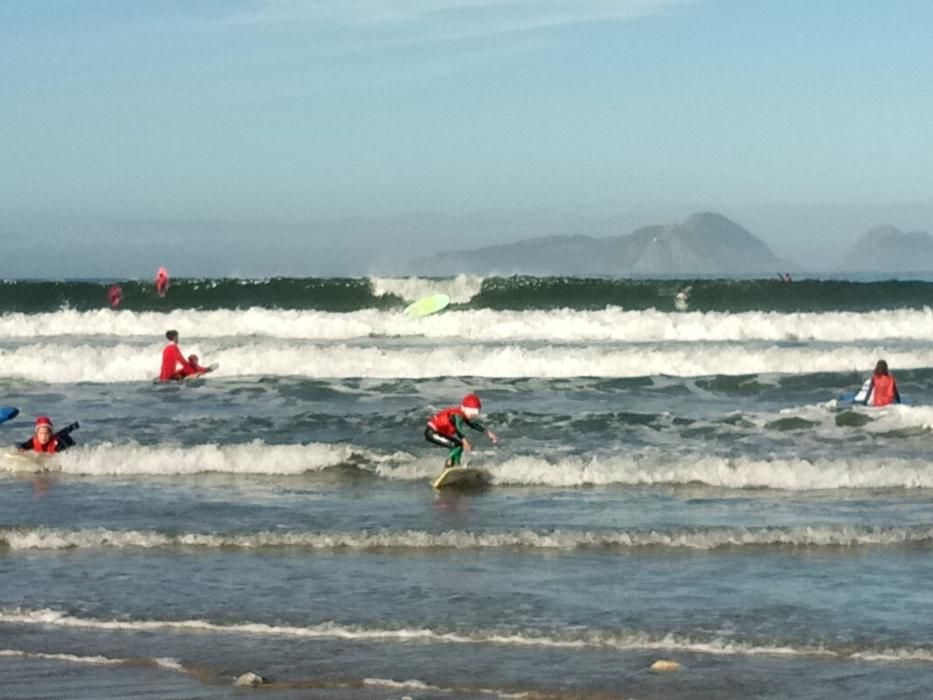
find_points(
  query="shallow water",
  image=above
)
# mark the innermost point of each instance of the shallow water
(668, 486)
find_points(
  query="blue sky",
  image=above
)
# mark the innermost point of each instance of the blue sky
(341, 128)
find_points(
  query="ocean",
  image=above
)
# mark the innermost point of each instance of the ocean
(670, 485)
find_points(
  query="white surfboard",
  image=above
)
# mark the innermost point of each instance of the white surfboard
(462, 478)
(19, 460)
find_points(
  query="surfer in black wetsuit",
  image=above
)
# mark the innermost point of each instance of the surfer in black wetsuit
(446, 428)
(45, 441)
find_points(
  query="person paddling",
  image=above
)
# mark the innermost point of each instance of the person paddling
(44, 441)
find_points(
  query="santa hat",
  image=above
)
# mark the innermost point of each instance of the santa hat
(470, 405)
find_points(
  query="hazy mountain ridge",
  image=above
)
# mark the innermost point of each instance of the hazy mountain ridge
(888, 249)
(704, 244)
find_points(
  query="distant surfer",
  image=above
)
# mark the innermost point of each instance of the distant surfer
(44, 441)
(115, 296)
(785, 277)
(161, 282)
(880, 389)
(175, 365)
(682, 298)
(446, 428)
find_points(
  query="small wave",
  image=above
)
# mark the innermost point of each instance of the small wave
(610, 324)
(166, 663)
(41, 538)
(651, 466)
(68, 363)
(107, 459)
(582, 640)
(411, 684)
(461, 289)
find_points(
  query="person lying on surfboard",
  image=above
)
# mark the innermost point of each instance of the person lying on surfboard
(174, 365)
(45, 441)
(880, 389)
(446, 428)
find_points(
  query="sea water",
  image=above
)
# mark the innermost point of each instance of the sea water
(669, 485)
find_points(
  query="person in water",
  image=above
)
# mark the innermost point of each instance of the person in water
(446, 428)
(45, 441)
(174, 365)
(880, 389)
(198, 369)
(161, 282)
(115, 296)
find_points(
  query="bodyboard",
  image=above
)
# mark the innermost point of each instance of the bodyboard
(8, 413)
(427, 305)
(462, 478)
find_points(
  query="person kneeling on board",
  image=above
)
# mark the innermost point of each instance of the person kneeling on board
(880, 389)
(174, 365)
(446, 428)
(47, 442)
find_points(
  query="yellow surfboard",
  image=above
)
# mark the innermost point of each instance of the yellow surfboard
(462, 478)
(427, 305)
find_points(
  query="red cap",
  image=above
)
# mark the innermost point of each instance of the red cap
(471, 401)
(44, 421)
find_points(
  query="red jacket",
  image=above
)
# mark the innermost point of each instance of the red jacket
(443, 421)
(50, 446)
(884, 390)
(171, 358)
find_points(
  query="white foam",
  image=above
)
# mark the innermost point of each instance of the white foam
(645, 467)
(250, 458)
(583, 639)
(411, 684)
(69, 658)
(166, 663)
(657, 467)
(611, 324)
(41, 538)
(86, 362)
(460, 289)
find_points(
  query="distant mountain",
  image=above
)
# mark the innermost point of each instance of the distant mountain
(704, 244)
(888, 249)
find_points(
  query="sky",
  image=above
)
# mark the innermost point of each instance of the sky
(315, 137)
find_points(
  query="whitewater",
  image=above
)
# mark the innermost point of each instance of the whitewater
(690, 486)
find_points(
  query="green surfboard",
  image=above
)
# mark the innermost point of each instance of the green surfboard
(427, 305)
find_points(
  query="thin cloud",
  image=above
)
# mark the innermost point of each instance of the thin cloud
(473, 16)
